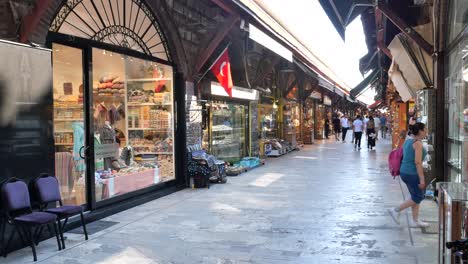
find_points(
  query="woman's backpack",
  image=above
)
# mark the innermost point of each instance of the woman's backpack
(394, 161)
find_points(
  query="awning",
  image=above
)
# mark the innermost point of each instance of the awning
(305, 68)
(414, 64)
(325, 84)
(375, 104)
(343, 12)
(361, 87)
(400, 83)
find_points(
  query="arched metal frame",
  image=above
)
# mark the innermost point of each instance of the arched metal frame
(126, 23)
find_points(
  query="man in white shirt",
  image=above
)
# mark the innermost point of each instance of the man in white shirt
(358, 127)
(344, 127)
(365, 121)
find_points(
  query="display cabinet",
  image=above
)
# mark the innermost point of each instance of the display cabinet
(453, 217)
(457, 113)
(228, 124)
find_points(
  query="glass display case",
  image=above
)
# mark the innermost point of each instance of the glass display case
(457, 112)
(308, 122)
(292, 123)
(319, 121)
(453, 217)
(268, 115)
(228, 124)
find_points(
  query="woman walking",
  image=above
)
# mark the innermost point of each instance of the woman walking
(412, 174)
(370, 132)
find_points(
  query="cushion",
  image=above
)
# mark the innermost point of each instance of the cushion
(36, 218)
(48, 189)
(15, 196)
(66, 210)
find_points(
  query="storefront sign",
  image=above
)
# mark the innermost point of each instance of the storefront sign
(106, 151)
(258, 36)
(327, 100)
(237, 92)
(316, 95)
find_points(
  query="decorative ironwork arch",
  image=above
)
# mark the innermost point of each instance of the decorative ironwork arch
(125, 23)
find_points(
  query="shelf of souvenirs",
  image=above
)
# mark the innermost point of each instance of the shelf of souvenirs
(454, 166)
(63, 144)
(149, 79)
(68, 119)
(166, 130)
(63, 131)
(153, 153)
(66, 106)
(459, 139)
(136, 104)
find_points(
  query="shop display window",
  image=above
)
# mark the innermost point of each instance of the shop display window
(133, 123)
(69, 133)
(308, 121)
(228, 131)
(319, 121)
(457, 111)
(292, 123)
(458, 18)
(267, 121)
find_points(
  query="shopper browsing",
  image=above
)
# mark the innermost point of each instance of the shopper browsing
(412, 174)
(383, 126)
(377, 126)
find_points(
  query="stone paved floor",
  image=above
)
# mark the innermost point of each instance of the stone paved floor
(323, 204)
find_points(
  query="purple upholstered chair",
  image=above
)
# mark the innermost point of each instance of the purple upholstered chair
(16, 207)
(46, 188)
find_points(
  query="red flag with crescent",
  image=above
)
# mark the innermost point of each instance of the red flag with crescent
(222, 70)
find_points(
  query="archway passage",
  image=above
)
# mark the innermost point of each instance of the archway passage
(125, 23)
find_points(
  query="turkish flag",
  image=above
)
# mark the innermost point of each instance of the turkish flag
(222, 70)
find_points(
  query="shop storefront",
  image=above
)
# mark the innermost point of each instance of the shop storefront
(309, 120)
(227, 132)
(456, 93)
(111, 106)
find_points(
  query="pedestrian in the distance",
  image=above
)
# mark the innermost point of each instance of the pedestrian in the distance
(327, 127)
(336, 127)
(383, 126)
(370, 132)
(412, 174)
(358, 127)
(344, 127)
(377, 126)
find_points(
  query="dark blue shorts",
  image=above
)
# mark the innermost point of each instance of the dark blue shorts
(412, 182)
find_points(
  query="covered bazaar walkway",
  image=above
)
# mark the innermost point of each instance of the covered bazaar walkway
(323, 204)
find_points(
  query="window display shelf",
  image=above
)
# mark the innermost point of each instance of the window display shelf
(133, 104)
(152, 129)
(68, 119)
(149, 80)
(457, 140)
(153, 153)
(454, 167)
(63, 144)
(69, 107)
(63, 131)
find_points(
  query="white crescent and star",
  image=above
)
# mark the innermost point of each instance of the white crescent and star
(221, 68)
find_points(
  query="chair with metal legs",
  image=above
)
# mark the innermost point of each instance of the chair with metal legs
(47, 191)
(17, 210)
